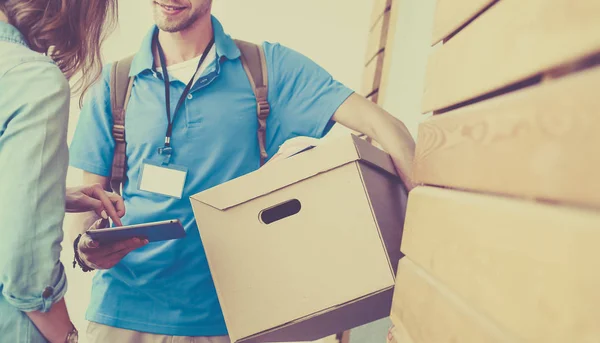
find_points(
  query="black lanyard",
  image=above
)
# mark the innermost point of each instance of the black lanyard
(167, 150)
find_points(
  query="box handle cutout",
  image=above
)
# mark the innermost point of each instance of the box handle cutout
(279, 212)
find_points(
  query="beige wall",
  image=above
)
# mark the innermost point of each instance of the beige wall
(331, 32)
(407, 52)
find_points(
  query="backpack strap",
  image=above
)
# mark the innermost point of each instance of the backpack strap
(120, 91)
(255, 65)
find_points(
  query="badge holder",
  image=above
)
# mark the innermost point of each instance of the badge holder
(166, 152)
(163, 177)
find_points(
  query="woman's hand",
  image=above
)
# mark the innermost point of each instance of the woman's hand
(95, 198)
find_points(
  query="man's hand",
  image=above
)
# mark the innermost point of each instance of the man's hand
(95, 198)
(105, 256)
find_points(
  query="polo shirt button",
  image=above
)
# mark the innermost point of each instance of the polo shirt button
(190, 97)
(47, 293)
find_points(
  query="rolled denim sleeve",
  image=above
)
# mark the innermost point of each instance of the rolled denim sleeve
(34, 110)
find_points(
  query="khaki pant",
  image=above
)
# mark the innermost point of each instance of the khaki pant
(98, 333)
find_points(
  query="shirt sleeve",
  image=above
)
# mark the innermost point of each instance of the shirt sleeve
(34, 110)
(304, 95)
(93, 145)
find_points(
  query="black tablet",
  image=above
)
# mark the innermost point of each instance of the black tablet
(153, 232)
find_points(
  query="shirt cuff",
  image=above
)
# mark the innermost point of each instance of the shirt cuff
(48, 295)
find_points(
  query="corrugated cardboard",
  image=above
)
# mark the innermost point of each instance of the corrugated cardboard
(327, 268)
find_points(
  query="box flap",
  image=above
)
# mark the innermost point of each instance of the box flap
(374, 156)
(271, 177)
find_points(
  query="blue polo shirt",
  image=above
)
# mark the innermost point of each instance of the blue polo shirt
(166, 288)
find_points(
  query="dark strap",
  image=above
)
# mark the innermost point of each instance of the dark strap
(120, 90)
(255, 65)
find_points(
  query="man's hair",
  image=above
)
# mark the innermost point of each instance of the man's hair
(69, 31)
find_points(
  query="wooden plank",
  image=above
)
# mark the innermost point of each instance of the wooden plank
(534, 269)
(541, 142)
(430, 312)
(378, 37)
(512, 41)
(450, 15)
(389, 52)
(372, 75)
(379, 7)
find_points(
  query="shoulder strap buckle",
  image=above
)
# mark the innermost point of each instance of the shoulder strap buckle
(263, 109)
(118, 132)
(255, 65)
(120, 90)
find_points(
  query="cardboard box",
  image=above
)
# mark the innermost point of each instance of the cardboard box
(307, 246)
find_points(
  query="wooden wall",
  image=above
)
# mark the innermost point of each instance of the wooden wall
(375, 57)
(502, 235)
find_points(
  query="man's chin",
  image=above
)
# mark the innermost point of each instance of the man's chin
(170, 27)
(172, 24)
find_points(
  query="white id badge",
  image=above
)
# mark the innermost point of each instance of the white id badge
(167, 180)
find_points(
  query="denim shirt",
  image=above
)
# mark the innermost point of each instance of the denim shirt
(34, 110)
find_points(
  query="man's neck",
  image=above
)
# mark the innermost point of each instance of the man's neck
(3, 17)
(187, 44)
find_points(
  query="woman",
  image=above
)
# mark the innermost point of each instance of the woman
(43, 43)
